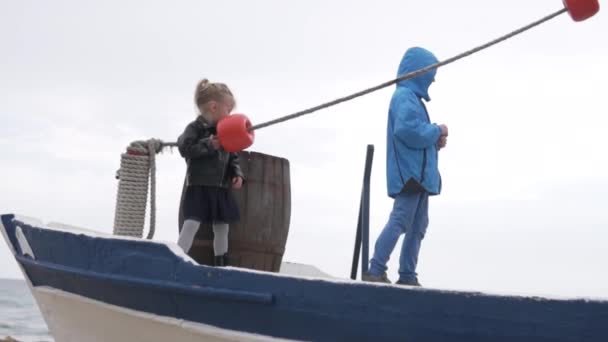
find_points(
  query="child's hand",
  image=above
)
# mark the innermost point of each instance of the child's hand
(444, 130)
(214, 142)
(442, 142)
(237, 182)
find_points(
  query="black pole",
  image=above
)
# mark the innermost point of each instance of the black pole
(362, 236)
(353, 269)
(365, 209)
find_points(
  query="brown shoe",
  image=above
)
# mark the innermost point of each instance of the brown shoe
(375, 279)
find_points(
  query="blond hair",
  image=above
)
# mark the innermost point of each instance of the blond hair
(207, 91)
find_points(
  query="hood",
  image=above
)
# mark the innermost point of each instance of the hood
(414, 59)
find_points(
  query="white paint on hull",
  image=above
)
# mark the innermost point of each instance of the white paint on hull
(23, 244)
(73, 318)
(302, 270)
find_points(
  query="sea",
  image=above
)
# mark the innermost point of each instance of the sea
(20, 316)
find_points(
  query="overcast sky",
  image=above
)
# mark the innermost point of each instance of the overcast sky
(525, 170)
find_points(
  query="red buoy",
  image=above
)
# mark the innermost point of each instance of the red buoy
(233, 133)
(582, 9)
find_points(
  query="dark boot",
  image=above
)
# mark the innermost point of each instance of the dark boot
(412, 282)
(219, 261)
(375, 279)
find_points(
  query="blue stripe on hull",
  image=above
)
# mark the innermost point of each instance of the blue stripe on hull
(148, 277)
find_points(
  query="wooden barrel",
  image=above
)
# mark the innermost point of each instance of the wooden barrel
(258, 240)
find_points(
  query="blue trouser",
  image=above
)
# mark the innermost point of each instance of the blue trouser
(410, 215)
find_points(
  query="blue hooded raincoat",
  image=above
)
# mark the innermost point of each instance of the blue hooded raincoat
(411, 137)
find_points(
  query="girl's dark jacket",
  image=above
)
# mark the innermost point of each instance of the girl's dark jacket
(206, 165)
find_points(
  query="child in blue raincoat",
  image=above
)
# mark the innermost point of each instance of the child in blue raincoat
(412, 169)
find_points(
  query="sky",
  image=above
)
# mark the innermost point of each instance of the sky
(524, 173)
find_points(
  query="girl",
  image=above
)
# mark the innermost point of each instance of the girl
(211, 171)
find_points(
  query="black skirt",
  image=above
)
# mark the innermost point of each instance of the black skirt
(210, 204)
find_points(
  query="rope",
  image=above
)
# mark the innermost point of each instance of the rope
(409, 75)
(137, 171)
(138, 165)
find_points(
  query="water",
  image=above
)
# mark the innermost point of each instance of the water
(20, 317)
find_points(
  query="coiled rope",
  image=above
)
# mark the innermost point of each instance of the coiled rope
(137, 172)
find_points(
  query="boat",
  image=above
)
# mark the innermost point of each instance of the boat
(93, 286)
(97, 287)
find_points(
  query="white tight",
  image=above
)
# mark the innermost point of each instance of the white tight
(220, 236)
